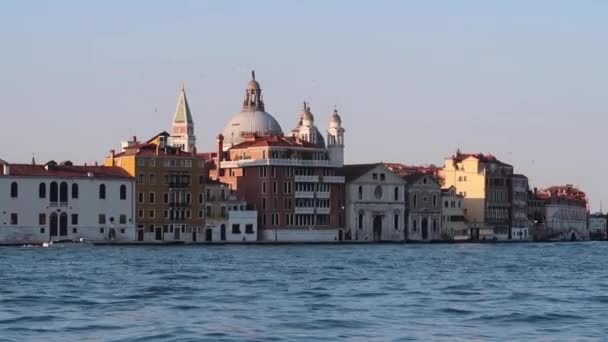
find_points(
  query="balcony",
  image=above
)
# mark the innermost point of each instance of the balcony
(323, 211)
(304, 210)
(178, 185)
(306, 179)
(334, 179)
(277, 162)
(323, 195)
(304, 194)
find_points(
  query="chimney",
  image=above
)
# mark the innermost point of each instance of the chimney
(220, 147)
(7, 170)
(112, 155)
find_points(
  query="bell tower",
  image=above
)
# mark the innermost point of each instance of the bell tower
(182, 128)
(335, 139)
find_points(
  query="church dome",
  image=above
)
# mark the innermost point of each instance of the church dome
(335, 120)
(252, 119)
(257, 122)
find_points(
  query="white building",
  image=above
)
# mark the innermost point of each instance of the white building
(519, 209)
(597, 225)
(423, 196)
(375, 203)
(64, 202)
(453, 224)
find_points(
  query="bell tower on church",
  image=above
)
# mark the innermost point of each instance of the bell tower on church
(335, 139)
(182, 128)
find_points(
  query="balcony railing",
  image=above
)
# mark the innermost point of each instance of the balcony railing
(278, 162)
(304, 194)
(306, 179)
(178, 185)
(334, 179)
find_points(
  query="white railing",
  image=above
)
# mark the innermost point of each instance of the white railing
(304, 194)
(323, 210)
(300, 210)
(306, 179)
(277, 162)
(323, 195)
(334, 179)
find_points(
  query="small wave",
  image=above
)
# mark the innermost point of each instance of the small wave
(29, 319)
(454, 311)
(517, 317)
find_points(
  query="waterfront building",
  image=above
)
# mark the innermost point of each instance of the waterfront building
(226, 217)
(519, 209)
(168, 180)
(485, 183)
(565, 213)
(536, 215)
(182, 127)
(289, 179)
(53, 202)
(375, 203)
(422, 206)
(453, 224)
(597, 226)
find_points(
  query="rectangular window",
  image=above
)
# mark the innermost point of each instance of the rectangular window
(165, 213)
(75, 230)
(151, 214)
(263, 172)
(141, 162)
(188, 198)
(208, 195)
(152, 179)
(42, 219)
(275, 187)
(140, 213)
(396, 221)
(152, 162)
(208, 211)
(375, 176)
(102, 219)
(101, 230)
(275, 203)
(263, 187)
(41, 230)
(200, 198)
(140, 197)
(74, 219)
(152, 198)
(166, 198)
(122, 219)
(236, 229)
(273, 171)
(263, 203)
(140, 178)
(248, 229)
(223, 211)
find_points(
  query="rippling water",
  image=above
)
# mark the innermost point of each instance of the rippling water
(502, 292)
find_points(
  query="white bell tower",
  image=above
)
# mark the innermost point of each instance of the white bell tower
(335, 139)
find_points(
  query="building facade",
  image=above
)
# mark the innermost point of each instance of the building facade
(485, 183)
(520, 224)
(597, 226)
(453, 224)
(226, 218)
(375, 203)
(565, 213)
(52, 202)
(168, 183)
(423, 208)
(290, 180)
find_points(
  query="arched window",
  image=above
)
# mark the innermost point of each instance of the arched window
(360, 193)
(54, 192)
(74, 190)
(63, 192)
(361, 219)
(123, 192)
(14, 190)
(42, 190)
(102, 191)
(396, 195)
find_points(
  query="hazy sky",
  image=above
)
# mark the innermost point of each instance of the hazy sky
(413, 80)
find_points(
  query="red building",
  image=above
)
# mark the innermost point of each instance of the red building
(289, 179)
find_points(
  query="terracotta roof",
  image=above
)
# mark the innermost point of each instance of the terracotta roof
(148, 149)
(484, 158)
(414, 177)
(65, 171)
(354, 171)
(274, 141)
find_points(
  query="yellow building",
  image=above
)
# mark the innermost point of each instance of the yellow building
(485, 184)
(170, 187)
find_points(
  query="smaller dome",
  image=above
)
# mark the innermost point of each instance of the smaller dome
(253, 85)
(335, 120)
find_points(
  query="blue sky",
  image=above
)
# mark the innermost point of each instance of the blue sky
(413, 80)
